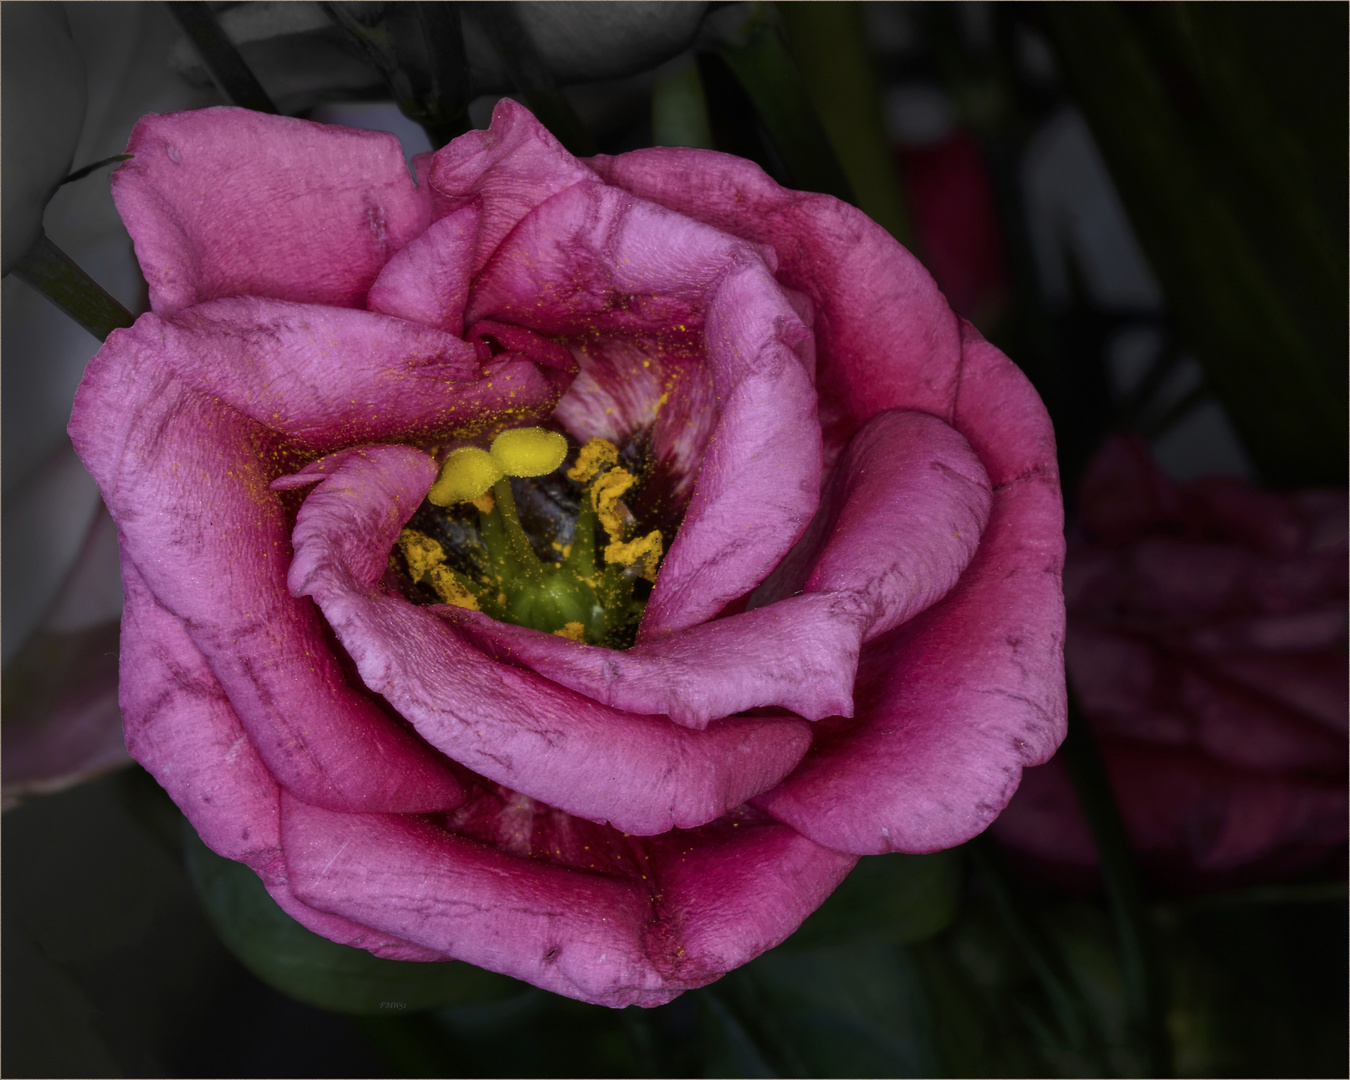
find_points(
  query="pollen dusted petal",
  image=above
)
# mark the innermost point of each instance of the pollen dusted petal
(184, 465)
(900, 522)
(593, 260)
(642, 774)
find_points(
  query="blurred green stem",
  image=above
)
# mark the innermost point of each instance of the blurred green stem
(231, 74)
(753, 49)
(1144, 984)
(1032, 944)
(829, 43)
(680, 109)
(56, 276)
(1205, 138)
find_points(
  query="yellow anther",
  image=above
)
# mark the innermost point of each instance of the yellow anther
(571, 631)
(593, 458)
(606, 491)
(422, 552)
(484, 503)
(450, 590)
(530, 451)
(466, 474)
(642, 554)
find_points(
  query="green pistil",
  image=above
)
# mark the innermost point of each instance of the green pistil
(574, 597)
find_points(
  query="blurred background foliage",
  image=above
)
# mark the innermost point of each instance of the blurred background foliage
(131, 949)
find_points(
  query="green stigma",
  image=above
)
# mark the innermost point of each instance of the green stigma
(586, 591)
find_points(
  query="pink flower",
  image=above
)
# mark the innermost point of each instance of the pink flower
(852, 645)
(1207, 637)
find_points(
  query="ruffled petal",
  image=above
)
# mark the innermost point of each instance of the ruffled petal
(641, 773)
(181, 727)
(509, 169)
(184, 469)
(703, 904)
(343, 931)
(228, 202)
(427, 281)
(885, 337)
(595, 258)
(579, 935)
(900, 522)
(951, 706)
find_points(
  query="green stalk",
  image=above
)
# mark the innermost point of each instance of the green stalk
(1035, 949)
(1144, 986)
(581, 558)
(56, 276)
(231, 74)
(680, 110)
(517, 542)
(755, 53)
(829, 43)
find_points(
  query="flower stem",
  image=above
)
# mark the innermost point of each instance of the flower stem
(236, 81)
(56, 276)
(1144, 988)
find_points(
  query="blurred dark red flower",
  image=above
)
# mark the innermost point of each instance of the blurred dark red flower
(1207, 647)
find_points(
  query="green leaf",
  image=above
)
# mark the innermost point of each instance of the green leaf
(56, 276)
(854, 1010)
(297, 962)
(887, 899)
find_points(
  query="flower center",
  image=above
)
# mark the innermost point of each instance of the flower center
(467, 546)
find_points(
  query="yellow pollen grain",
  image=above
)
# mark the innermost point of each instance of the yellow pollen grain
(485, 503)
(450, 590)
(605, 494)
(422, 553)
(593, 458)
(642, 554)
(571, 631)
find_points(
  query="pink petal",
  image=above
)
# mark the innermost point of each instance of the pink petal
(900, 522)
(185, 472)
(1192, 821)
(903, 517)
(510, 169)
(427, 281)
(799, 654)
(885, 337)
(182, 728)
(227, 202)
(951, 706)
(344, 931)
(702, 903)
(595, 258)
(641, 773)
(579, 935)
